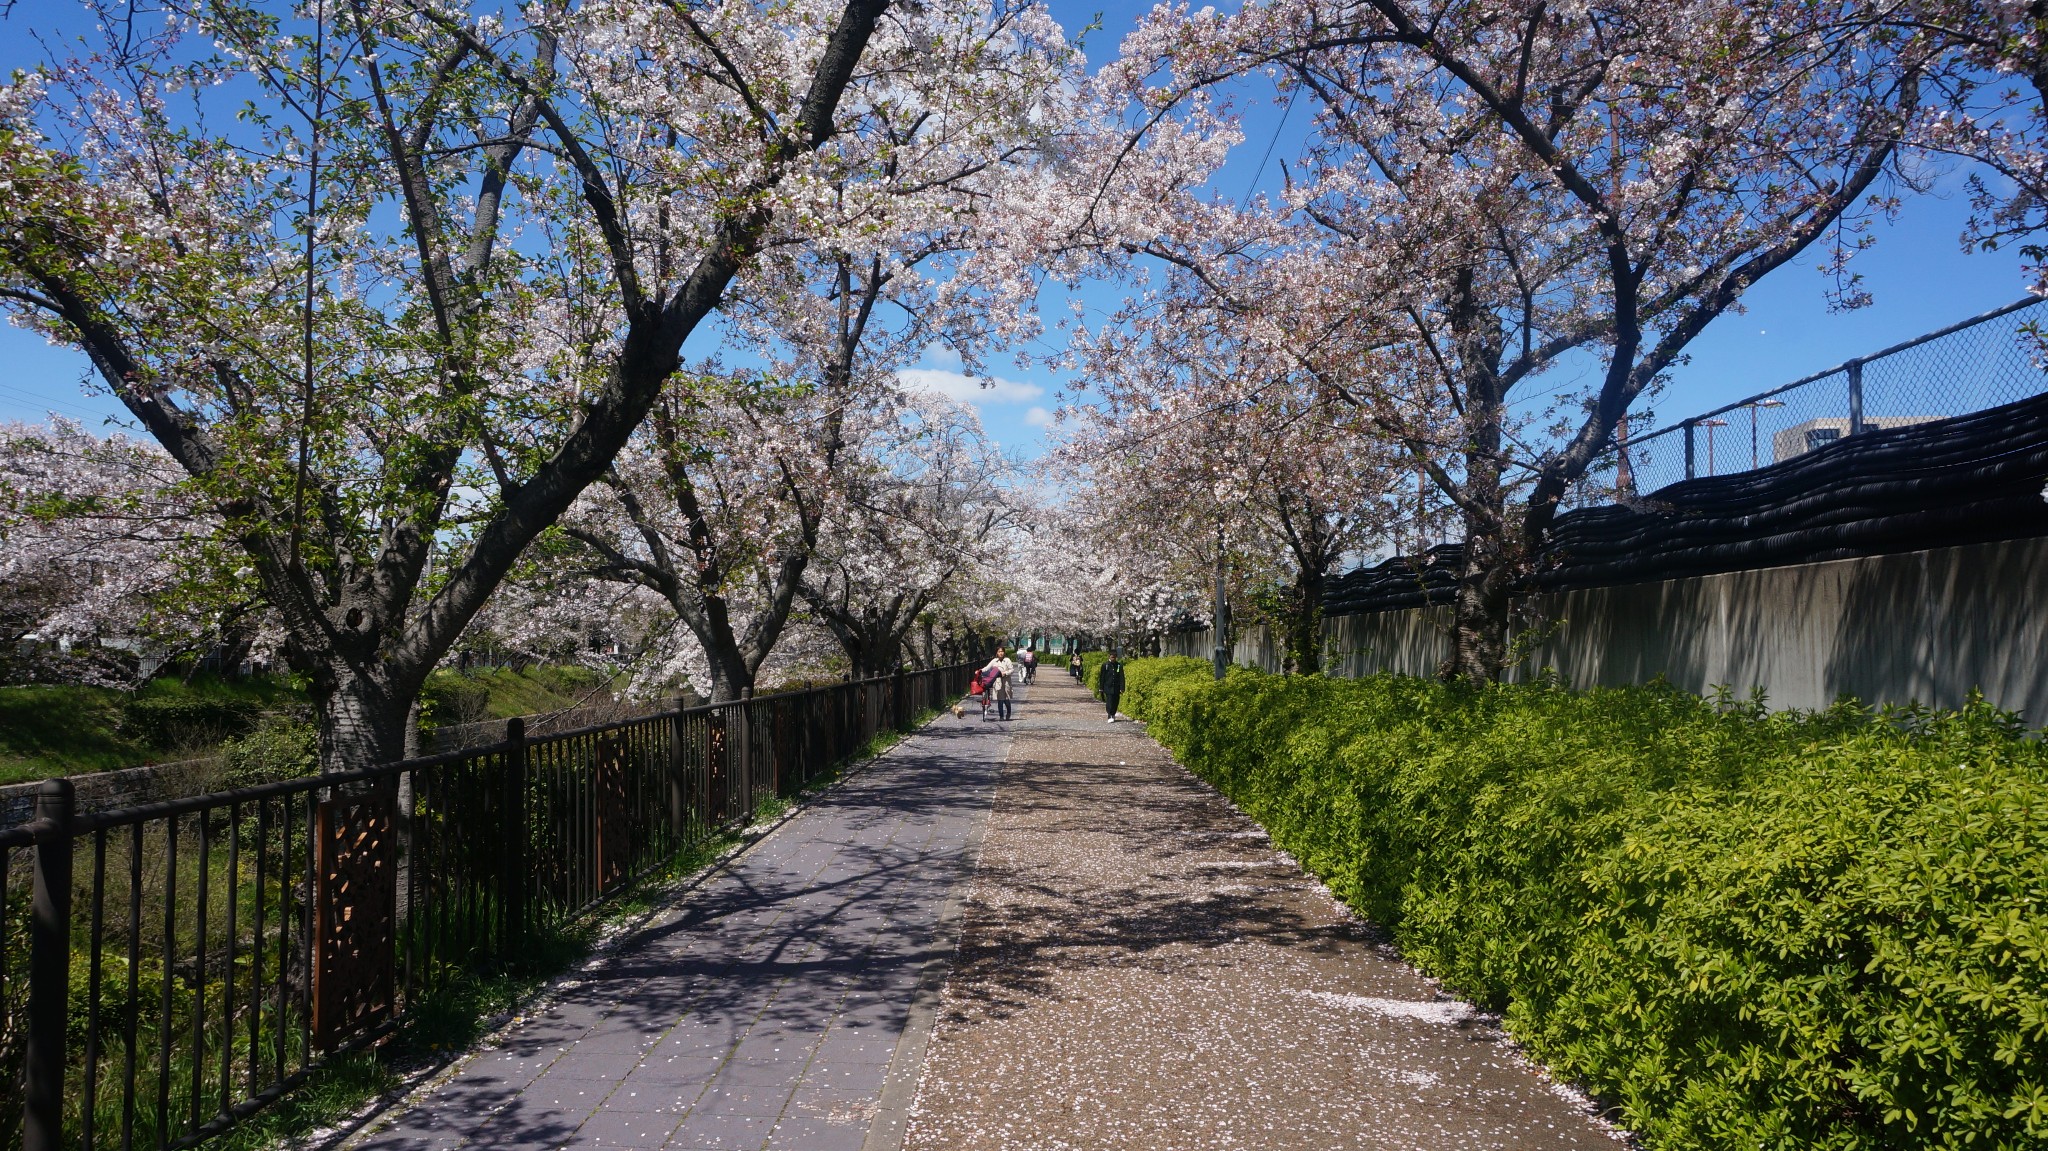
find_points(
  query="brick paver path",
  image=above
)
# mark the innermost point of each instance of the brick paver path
(771, 1007)
(1139, 970)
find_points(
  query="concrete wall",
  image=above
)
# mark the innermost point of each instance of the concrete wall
(102, 790)
(1922, 626)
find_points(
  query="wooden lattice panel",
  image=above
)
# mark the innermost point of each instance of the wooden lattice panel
(614, 816)
(716, 769)
(354, 918)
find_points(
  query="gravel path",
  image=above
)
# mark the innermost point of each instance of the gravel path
(1140, 969)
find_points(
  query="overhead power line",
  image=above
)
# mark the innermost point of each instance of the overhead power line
(1270, 142)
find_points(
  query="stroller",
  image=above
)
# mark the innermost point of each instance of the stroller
(981, 690)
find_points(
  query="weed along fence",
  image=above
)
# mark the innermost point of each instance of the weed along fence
(170, 968)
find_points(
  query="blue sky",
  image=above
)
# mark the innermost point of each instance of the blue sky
(1918, 273)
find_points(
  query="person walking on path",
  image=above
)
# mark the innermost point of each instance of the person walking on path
(1000, 689)
(1030, 659)
(1110, 681)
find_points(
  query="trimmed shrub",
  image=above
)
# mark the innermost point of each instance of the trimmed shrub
(1742, 929)
(1091, 663)
(177, 720)
(279, 749)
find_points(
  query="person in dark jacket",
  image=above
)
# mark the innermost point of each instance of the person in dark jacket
(1109, 680)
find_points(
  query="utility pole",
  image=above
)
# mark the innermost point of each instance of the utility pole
(1752, 427)
(1624, 475)
(1710, 425)
(1222, 616)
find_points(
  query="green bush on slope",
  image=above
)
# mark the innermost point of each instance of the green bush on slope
(1747, 930)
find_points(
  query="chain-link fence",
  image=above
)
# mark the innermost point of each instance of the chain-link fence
(1992, 359)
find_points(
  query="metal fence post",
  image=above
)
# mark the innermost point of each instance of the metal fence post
(49, 972)
(512, 914)
(746, 716)
(1855, 397)
(1688, 449)
(679, 791)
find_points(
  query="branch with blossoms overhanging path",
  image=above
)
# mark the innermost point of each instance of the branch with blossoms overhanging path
(423, 378)
(1487, 188)
(726, 526)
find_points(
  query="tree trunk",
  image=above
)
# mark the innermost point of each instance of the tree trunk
(361, 718)
(1302, 621)
(873, 651)
(1479, 615)
(888, 651)
(731, 678)
(236, 642)
(1479, 620)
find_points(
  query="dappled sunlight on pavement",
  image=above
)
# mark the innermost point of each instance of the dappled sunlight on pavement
(764, 1009)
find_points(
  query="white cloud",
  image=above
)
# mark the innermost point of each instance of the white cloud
(1038, 417)
(967, 389)
(941, 355)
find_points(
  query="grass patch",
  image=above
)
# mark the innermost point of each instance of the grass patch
(501, 692)
(61, 729)
(1743, 929)
(53, 730)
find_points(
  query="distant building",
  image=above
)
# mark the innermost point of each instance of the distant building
(1800, 439)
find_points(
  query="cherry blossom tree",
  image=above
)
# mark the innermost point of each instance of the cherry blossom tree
(713, 511)
(718, 506)
(1509, 221)
(1088, 563)
(1251, 459)
(100, 540)
(550, 614)
(428, 283)
(922, 531)
(1993, 112)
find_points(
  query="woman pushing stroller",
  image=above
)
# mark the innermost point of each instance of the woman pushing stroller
(995, 679)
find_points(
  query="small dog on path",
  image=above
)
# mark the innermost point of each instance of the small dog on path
(959, 712)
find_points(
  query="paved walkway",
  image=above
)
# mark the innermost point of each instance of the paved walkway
(1131, 967)
(772, 1007)
(1140, 970)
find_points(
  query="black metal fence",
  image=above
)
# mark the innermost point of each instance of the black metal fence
(466, 736)
(1980, 363)
(168, 969)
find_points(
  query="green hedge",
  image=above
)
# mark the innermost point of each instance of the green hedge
(1742, 929)
(187, 720)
